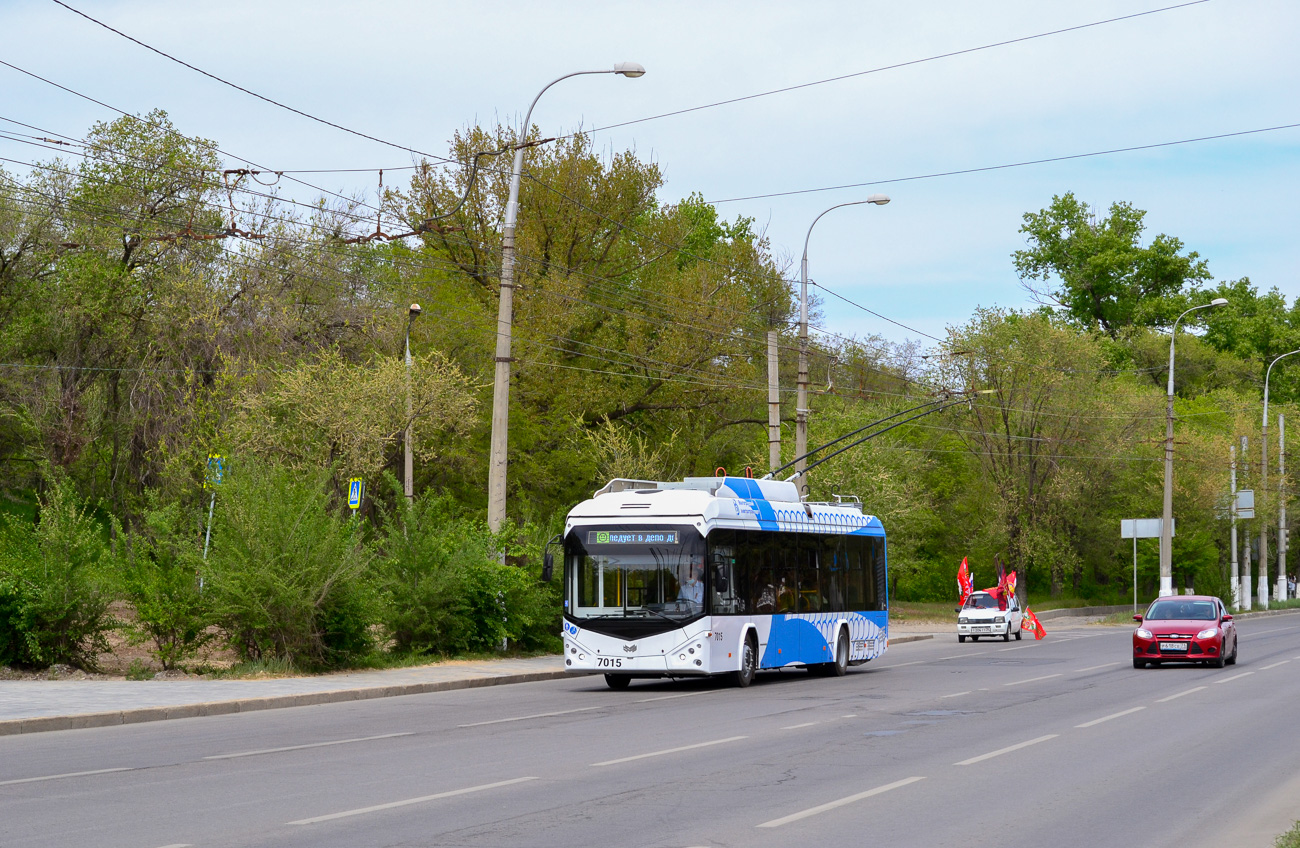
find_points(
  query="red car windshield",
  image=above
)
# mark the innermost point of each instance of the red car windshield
(1182, 610)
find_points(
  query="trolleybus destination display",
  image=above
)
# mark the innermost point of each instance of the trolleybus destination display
(604, 537)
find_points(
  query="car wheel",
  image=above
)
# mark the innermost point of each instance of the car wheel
(1232, 659)
(1019, 633)
(1139, 664)
(1217, 662)
(748, 664)
(974, 638)
(961, 638)
(617, 681)
(1006, 637)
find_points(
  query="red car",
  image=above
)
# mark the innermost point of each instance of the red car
(1185, 628)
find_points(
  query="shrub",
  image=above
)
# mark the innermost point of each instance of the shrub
(446, 592)
(160, 572)
(288, 578)
(53, 603)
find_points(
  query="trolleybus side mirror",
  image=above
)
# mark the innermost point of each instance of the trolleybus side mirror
(548, 566)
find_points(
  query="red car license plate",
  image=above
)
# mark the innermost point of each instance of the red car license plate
(1173, 646)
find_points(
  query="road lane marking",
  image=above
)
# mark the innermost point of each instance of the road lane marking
(670, 697)
(408, 801)
(671, 751)
(900, 665)
(797, 726)
(812, 811)
(179, 845)
(958, 656)
(1032, 679)
(1018, 647)
(1095, 667)
(1180, 694)
(1007, 750)
(954, 695)
(1274, 665)
(301, 747)
(1235, 676)
(850, 715)
(1096, 721)
(61, 776)
(535, 715)
(1274, 630)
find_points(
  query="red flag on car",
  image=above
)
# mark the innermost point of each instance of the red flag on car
(965, 583)
(1031, 623)
(1009, 584)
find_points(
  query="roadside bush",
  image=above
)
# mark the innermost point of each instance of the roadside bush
(444, 590)
(288, 578)
(160, 577)
(53, 578)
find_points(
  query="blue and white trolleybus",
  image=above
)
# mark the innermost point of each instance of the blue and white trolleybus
(720, 575)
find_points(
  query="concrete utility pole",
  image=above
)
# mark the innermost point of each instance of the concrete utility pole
(408, 465)
(1245, 563)
(801, 399)
(1232, 463)
(773, 404)
(506, 307)
(1166, 531)
(1282, 541)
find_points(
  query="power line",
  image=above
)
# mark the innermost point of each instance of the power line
(1026, 162)
(896, 66)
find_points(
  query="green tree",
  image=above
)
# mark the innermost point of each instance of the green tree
(1098, 273)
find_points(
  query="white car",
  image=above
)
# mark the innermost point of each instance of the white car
(984, 615)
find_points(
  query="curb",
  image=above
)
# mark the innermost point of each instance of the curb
(83, 721)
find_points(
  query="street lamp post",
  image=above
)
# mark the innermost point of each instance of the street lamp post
(1166, 524)
(801, 401)
(505, 311)
(408, 466)
(1263, 486)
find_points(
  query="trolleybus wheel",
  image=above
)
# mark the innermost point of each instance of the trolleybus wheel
(841, 665)
(748, 664)
(617, 681)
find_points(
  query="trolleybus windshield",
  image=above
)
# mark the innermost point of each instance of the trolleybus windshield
(636, 572)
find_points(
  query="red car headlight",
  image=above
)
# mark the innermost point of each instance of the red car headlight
(1208, 633)
(1143, 633)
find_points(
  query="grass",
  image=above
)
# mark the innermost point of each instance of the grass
(1290, 839)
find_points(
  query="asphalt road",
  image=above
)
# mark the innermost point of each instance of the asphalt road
(1055, 743)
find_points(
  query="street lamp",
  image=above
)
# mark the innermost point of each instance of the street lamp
(801, 401)
(505, 310)
(1166, 524)
(1263, 485)
(412, 313)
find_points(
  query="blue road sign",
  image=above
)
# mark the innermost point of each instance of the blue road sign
(355, 490)
(216, 471)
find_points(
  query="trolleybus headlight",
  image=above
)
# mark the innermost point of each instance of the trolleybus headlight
(681, 656)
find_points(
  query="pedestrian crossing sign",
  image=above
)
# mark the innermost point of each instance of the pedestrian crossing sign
(356, 489)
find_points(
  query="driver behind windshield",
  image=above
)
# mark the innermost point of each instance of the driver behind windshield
(692, 588)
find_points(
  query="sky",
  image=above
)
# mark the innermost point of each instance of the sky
(415, 72)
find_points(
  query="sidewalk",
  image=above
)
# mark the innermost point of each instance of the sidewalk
(31, 706)
(34, 706)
